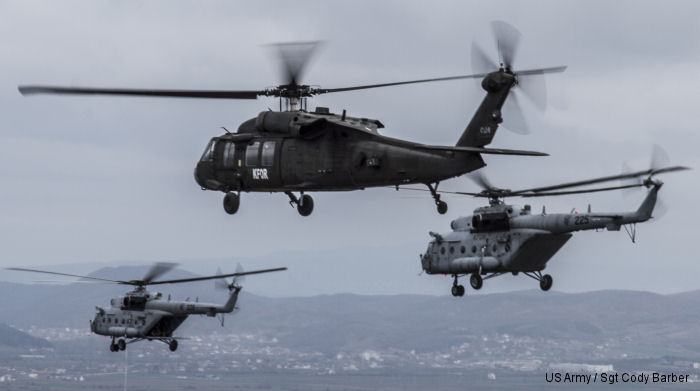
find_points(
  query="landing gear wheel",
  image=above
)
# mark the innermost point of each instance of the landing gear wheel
(121, 344)
(231, 203)
(442, 207)
(476, 281)
(546, 282)
(113, 347)
(306, 205)
(173, 345)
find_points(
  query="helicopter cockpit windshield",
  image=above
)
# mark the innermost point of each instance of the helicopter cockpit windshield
(208, 154)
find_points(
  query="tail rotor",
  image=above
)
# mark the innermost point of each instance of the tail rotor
(223, 283)
(531, 81)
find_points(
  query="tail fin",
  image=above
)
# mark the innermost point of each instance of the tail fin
(647, 207)
(482, 128)
(231, 302)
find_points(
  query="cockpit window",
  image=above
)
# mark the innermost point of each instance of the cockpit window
(268, 153)
(251, 154)
(209, 151)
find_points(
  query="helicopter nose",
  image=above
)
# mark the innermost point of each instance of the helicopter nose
(202, 175)
(196, 175)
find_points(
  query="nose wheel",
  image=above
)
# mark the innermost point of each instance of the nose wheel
(305, 204)
(231, 202)
(116, 346)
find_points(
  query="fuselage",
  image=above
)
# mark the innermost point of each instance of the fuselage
(509, 238)
(143, 314)
(321, 152)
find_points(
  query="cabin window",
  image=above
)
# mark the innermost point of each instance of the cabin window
(268, 153)
(229, 151)
(452, 250)
(474, 249)
(462, 249)
(251, 154)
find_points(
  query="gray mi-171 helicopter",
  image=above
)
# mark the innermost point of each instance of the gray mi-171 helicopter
(502, 238)
(143, 315)
(296, 150)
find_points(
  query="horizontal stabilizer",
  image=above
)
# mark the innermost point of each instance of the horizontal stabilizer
(493, 151)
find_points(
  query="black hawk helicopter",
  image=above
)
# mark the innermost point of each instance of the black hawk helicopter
(143, 315)
(503, 238)
(300, 151)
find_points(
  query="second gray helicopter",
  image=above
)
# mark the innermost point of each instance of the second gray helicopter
(502, 238)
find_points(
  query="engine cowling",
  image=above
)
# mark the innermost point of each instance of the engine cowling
(292, 123)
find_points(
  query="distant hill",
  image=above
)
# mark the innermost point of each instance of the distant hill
(12, 338)
(646, 324)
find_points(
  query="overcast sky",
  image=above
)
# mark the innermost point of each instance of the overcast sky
(100, 179)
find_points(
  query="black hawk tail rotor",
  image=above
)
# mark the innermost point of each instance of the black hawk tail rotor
(530, 81)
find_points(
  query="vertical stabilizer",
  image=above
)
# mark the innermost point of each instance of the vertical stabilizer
(231, 303)
(647, 207)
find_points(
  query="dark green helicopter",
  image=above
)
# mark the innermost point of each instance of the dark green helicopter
(295, 150)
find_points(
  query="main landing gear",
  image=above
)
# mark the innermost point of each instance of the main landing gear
(305, 204)
(457, 290)
(173, 345)
(117, 346)
(477, 281)
(441, 205)
(546, 280)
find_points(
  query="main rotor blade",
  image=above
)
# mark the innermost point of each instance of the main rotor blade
(442, 191)
(294, 57)
(217, 276)
(481, 180)
(507, 39)
(328, 90)
(19, 269)
(208, 94)
(158, 270)
(556, 193)
(601, 180)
